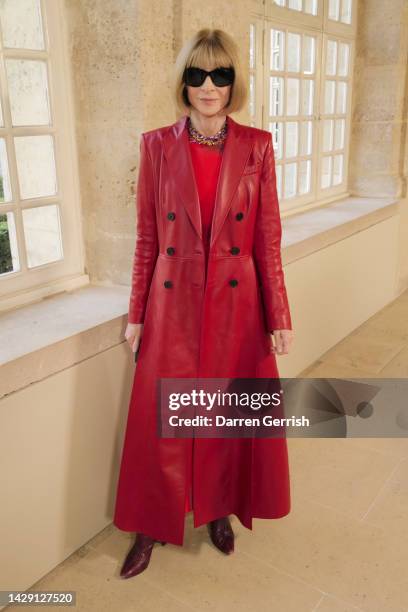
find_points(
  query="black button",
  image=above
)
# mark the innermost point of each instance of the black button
(239, 216)
(168, 284)
(234, 250)
(171, 250)
(233, 282)
(171, 216)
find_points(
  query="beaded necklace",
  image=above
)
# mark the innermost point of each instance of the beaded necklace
(212, 141)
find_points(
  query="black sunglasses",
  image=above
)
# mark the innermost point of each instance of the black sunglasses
(220, 76)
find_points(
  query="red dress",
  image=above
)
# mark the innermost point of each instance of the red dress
(206, 162)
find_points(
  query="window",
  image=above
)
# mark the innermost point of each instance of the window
(300, 67)
(40, 233)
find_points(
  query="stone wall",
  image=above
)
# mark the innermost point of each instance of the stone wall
(378, 137)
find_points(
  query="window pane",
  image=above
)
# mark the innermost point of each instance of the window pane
(328, 134)
(292, 105)
(5, 186)
(310, 7)
(307, 97)
(36, 166)
(326, 172)
(293, 52)
(276, 130)
(331, 57)
(337, 169)
(276, 96)
(334, 9)
(277, 50)
(339, 129)
(329, 97)
(252, 46)
(292, 138)
(9, 261)
(251, 95)
(345, 11)
(28, 90)
(305, 174)
(344, 55)
(279, 180)
(309, 54)
(306, 132)
(341, 102)
(340, 10)
(290, 180)
(21, 24)
(296, 5)
(42, 234)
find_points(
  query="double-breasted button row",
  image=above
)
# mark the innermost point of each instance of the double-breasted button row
(233, 250)
(172, 215)
(168, 283)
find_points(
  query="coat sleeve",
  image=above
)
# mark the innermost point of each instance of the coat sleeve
(267, 247)
(146, 248)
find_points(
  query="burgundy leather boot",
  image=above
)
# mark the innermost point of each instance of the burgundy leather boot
(222, 535)
(138, 556)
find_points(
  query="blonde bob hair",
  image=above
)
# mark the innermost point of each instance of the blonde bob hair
(209, 49)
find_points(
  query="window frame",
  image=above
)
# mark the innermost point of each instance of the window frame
(322, 28)
(28, 285)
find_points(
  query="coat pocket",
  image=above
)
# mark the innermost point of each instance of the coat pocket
(252, 168)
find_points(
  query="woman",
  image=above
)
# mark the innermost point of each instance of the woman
(208, 295)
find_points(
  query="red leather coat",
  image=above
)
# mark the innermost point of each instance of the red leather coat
(215, 327)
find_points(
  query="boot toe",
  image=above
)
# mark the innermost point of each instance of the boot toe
(221, 535)
(138, 557)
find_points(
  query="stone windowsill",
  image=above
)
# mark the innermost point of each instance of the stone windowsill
(308, 232)
(67, 328)
(41, 339)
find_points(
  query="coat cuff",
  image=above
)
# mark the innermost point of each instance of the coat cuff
(280, 322)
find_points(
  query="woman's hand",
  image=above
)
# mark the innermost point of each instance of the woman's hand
(133, 335)
(283, 340)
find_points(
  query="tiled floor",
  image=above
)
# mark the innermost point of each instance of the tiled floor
(343, 547)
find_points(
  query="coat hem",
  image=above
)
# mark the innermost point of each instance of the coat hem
(180, 541)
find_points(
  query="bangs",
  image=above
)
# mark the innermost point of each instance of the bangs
(209, 54)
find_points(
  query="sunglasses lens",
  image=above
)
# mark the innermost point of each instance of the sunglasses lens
(194, 76)
(223, 76)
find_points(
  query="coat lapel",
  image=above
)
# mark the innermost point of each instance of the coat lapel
(238, 146)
